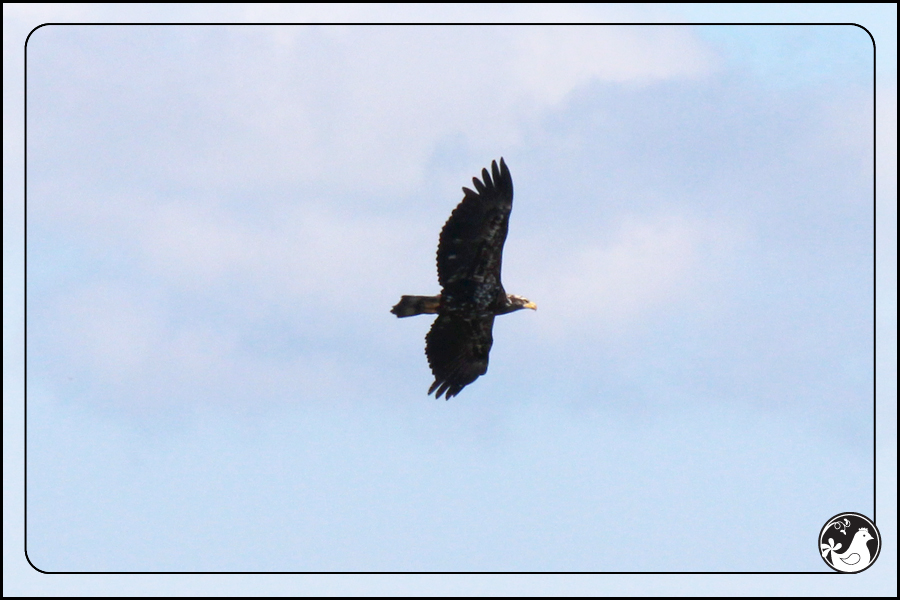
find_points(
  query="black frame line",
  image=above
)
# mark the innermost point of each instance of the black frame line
(325, 24)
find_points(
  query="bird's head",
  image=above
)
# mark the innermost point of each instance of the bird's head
(519, 302)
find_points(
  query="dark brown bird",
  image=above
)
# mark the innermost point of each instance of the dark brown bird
(469, 256)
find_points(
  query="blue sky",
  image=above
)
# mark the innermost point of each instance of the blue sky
(219, 219)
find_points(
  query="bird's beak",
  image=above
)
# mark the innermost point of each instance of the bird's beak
(530, 305)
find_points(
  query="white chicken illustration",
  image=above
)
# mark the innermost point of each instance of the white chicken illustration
(853, 559)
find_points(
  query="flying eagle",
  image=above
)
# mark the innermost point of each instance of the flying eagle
(469, 254)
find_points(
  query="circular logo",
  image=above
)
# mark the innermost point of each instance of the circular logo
(849, 542)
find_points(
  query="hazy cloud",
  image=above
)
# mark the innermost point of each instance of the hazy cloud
(219, 220)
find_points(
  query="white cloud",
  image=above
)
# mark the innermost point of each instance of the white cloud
(108, 329)
(552, 61)
(347, 108)
(646, 265)
(305, 253)
(394, 93)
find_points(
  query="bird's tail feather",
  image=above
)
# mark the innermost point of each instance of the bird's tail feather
(417, 305)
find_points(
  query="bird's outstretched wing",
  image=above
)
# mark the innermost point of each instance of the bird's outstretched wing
(470, 251)
(457, 348)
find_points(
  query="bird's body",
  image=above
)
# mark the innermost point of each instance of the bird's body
(853, 559)
(469, 257)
